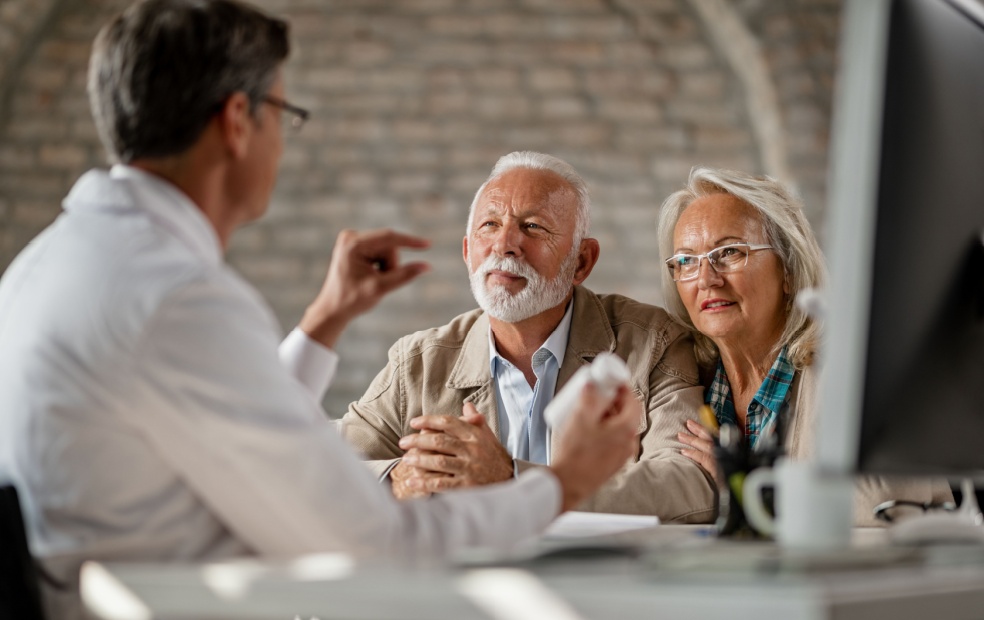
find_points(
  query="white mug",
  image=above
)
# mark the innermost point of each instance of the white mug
(813, 510)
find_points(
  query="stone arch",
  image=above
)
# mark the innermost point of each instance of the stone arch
(741, 49)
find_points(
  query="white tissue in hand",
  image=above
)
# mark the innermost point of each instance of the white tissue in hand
(607, 372)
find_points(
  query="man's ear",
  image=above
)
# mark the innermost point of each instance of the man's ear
(236, 124)
(464, 249)
(587, 258)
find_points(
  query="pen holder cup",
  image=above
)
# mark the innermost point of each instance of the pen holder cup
(735, 463)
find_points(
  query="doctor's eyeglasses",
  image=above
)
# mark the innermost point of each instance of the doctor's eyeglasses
(295, 116)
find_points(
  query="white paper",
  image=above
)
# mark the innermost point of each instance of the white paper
(585, 524)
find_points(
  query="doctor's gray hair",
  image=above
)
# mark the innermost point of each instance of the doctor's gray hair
(541, 161)
(788, 232)
(162, 69)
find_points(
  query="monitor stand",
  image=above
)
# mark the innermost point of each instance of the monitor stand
(966, 524)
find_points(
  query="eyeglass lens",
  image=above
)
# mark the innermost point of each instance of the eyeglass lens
(291, 116)
(724, 259)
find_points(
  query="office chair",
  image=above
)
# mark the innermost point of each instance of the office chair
(20, 594)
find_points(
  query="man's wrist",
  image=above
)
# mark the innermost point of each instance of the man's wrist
(325, 328)
(571, 488)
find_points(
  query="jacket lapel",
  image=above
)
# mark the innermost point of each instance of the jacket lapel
(471, 372)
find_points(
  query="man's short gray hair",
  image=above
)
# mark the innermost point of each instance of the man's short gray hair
(162, 69)
(788, 232)
(542, 161)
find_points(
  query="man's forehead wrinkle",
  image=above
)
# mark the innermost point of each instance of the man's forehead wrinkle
(494, 193)
(498, 200)
(494, 200)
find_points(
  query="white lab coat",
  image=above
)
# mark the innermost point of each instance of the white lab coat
(145, 412)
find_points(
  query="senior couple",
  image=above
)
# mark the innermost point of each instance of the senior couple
(737, 248)
(149, 412)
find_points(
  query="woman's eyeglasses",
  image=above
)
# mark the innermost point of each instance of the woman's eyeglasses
(725, 259)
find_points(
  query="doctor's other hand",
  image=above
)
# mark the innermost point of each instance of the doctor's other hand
(596, 442)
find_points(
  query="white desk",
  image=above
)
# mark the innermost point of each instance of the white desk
(662, 583)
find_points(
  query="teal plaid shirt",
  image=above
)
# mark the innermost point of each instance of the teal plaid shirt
(763, 412)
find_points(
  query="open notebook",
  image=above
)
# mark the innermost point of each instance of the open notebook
(589, 524)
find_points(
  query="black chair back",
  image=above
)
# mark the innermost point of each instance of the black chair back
(20, 595)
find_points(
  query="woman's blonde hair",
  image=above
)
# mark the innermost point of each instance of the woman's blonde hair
(788, 232)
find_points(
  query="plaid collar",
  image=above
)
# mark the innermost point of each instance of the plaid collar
(763, 412)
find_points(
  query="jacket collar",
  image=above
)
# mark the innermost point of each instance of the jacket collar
(591, 333)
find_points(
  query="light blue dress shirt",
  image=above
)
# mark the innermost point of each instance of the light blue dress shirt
(522, 428)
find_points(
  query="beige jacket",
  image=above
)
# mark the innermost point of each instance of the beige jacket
(437, 370)
(870, 490)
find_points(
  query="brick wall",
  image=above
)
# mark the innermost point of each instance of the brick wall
(21, 23)
(413, 102)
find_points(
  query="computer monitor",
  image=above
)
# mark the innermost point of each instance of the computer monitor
(902, 388)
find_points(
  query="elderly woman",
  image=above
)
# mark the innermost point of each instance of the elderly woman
(739, 249)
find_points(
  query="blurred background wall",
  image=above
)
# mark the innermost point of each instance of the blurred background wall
(414, 100)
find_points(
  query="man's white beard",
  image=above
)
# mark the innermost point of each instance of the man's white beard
(539, 294)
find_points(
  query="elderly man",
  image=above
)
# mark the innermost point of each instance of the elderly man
(144, 411)
(527, 253)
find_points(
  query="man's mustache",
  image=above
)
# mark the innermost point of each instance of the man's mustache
(509, 264)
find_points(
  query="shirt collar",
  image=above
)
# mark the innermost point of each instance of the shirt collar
(556, 342)
(770, 395)
(172, 209)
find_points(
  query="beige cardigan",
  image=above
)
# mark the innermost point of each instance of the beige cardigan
(870, 490)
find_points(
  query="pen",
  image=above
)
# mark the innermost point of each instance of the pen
(708, 419)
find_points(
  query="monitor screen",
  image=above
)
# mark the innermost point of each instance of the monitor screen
(903, 376)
